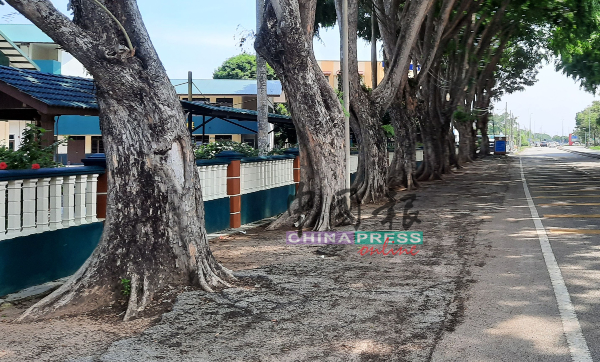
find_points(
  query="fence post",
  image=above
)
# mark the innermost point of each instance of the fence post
(234, 186)
(68, 216)
(99, 159)
(14, 207)
(296, 171)
(80, 186)
(29, 186)
(91, 199)
(56, 203)
(3, 185)
(43, 198)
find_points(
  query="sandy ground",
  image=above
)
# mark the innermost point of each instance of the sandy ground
(307, 303)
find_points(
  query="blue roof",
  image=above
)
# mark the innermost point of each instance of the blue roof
(240, 87)
(53, 90)
(25, 33)
(66, 91)
(199, 108)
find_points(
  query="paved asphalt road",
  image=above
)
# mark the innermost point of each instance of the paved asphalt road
(519, 310)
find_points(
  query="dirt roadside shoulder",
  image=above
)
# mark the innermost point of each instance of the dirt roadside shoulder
(311, 303)
(332, 304)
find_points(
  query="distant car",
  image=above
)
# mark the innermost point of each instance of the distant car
(544, 144)
(537, 144)
(576, 143)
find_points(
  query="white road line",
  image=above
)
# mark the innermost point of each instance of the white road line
(577, 345)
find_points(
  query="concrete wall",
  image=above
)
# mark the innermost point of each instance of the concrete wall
(36, 259)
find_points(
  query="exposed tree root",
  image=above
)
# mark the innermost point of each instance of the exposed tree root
(87, 289)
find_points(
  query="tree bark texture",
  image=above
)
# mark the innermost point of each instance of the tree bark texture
(434, 131)
(399, 27)
(285, 40)
(404, 117)
(465, 139)
(154, 233)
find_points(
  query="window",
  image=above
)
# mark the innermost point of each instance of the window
(97, 145)
(249, 141)
(11, 142)
(226, 102)
(221, 137)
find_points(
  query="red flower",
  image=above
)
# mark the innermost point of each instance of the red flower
(3, 166)
(35, 166)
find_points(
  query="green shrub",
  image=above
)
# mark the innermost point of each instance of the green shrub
(280, 149)
(31, 151)
(389, 130)
(210, 150)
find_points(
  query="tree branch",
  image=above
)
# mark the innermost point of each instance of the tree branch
(131, 48)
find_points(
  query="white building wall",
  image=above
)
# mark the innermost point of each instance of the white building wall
(16, 128)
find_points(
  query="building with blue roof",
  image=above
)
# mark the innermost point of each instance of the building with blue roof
(38, 47)
(40, 93)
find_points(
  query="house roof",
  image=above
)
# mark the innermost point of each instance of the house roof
(49, 93)
(226, 87)
(50, 89)
(203, 109)
(25, 33)
(15, 55)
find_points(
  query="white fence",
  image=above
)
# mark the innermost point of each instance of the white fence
(353, 163)
(257, 176)
(213, 179)
(36, 205)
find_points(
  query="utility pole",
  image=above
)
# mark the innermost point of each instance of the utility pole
(562, 130)
(512, 131)
(530, 139)
(589, 127)
(346, 90)
(262, 101)
(374, 49)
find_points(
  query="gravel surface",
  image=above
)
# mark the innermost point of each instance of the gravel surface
(330, 303)
(308, 303)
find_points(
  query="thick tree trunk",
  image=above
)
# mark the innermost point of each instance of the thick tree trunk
(370, 184)
(285, 40)
(399, 27)
(434, 150)
(485, 143)
(450, 156)
(465, 141)
(154, 232)
(402, 169)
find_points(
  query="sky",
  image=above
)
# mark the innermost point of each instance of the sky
(198, 35)
(552, 103)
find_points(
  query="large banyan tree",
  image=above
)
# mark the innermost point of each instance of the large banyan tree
(285, 40)
(154, 233)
